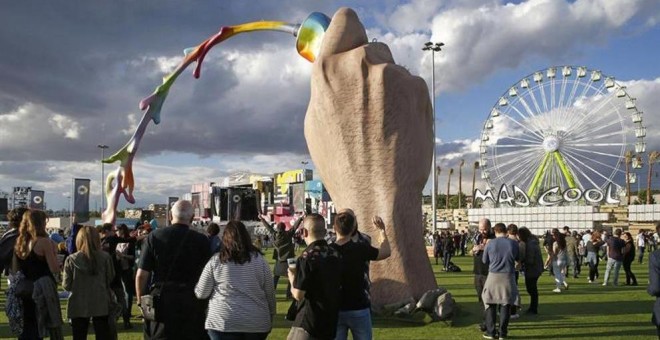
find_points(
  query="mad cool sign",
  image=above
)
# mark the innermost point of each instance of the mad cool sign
(550, 197)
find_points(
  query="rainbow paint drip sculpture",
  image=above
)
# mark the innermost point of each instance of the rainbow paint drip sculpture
(308, 35)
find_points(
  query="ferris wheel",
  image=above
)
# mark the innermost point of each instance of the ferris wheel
(566, 127)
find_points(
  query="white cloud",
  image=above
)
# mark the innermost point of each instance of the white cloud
(65, 126)
(484, 37)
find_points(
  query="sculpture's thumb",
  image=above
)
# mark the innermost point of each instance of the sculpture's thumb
(345, 33)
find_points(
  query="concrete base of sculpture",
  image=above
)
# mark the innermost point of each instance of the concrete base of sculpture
(369, 132)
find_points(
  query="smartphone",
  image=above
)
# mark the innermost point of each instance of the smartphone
(291, 262)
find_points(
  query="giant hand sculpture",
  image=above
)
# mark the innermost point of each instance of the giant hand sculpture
(369, 132)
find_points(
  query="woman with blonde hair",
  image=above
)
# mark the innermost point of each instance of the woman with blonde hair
(36, 257)
(87, 275)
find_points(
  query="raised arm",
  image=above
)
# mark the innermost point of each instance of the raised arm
(384, 250)
(266, 225)
(296, 226)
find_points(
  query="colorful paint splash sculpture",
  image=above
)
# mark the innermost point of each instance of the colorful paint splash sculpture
(308, 35)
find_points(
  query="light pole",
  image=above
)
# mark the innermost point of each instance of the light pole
(433, 47)
(474, 178)
(102, 147)
(460, 181)
(653, 157)
(451, 171)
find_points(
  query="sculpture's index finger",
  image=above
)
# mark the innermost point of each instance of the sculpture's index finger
(345, 33)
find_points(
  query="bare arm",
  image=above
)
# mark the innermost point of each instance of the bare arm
(296, 226)
(266, 225)
(384, 250)
(141, 280)
(296, 293)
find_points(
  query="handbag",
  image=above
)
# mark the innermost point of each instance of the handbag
(148, 306)
(24, 288)
(149, 303)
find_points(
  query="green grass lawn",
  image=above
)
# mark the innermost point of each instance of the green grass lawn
(585, 311)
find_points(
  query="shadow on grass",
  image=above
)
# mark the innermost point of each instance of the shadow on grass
(594, 334)
(597, 308)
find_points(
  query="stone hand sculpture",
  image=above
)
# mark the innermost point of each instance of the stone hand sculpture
(369, 132)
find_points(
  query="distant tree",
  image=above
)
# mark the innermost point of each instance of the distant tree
(641, 197)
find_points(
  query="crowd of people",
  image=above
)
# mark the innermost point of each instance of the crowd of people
(502, 253)
(201, 285)
(94, 265)
(220, 286)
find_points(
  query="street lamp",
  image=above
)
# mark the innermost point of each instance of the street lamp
(102, 147)
(653, 157)
(68, 197)
(433, 47)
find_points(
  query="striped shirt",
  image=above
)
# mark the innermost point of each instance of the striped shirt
(242, 296)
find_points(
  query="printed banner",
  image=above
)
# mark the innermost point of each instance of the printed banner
(81, 199)
(37, 199)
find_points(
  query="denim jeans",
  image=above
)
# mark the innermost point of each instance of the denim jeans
(358, 321)
(447, 259)
(558, 268)
(612, 263)
(491, 316)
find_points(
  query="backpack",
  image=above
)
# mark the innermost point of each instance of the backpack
(445, 307)
(7, 243)
(453, 268)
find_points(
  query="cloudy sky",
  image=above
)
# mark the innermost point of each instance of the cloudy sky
(73, 72)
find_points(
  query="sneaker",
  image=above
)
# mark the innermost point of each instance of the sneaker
(487, 336)
(591, 281)
(604, 283)
(566, 285)
(557, 290)
(513, 317)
